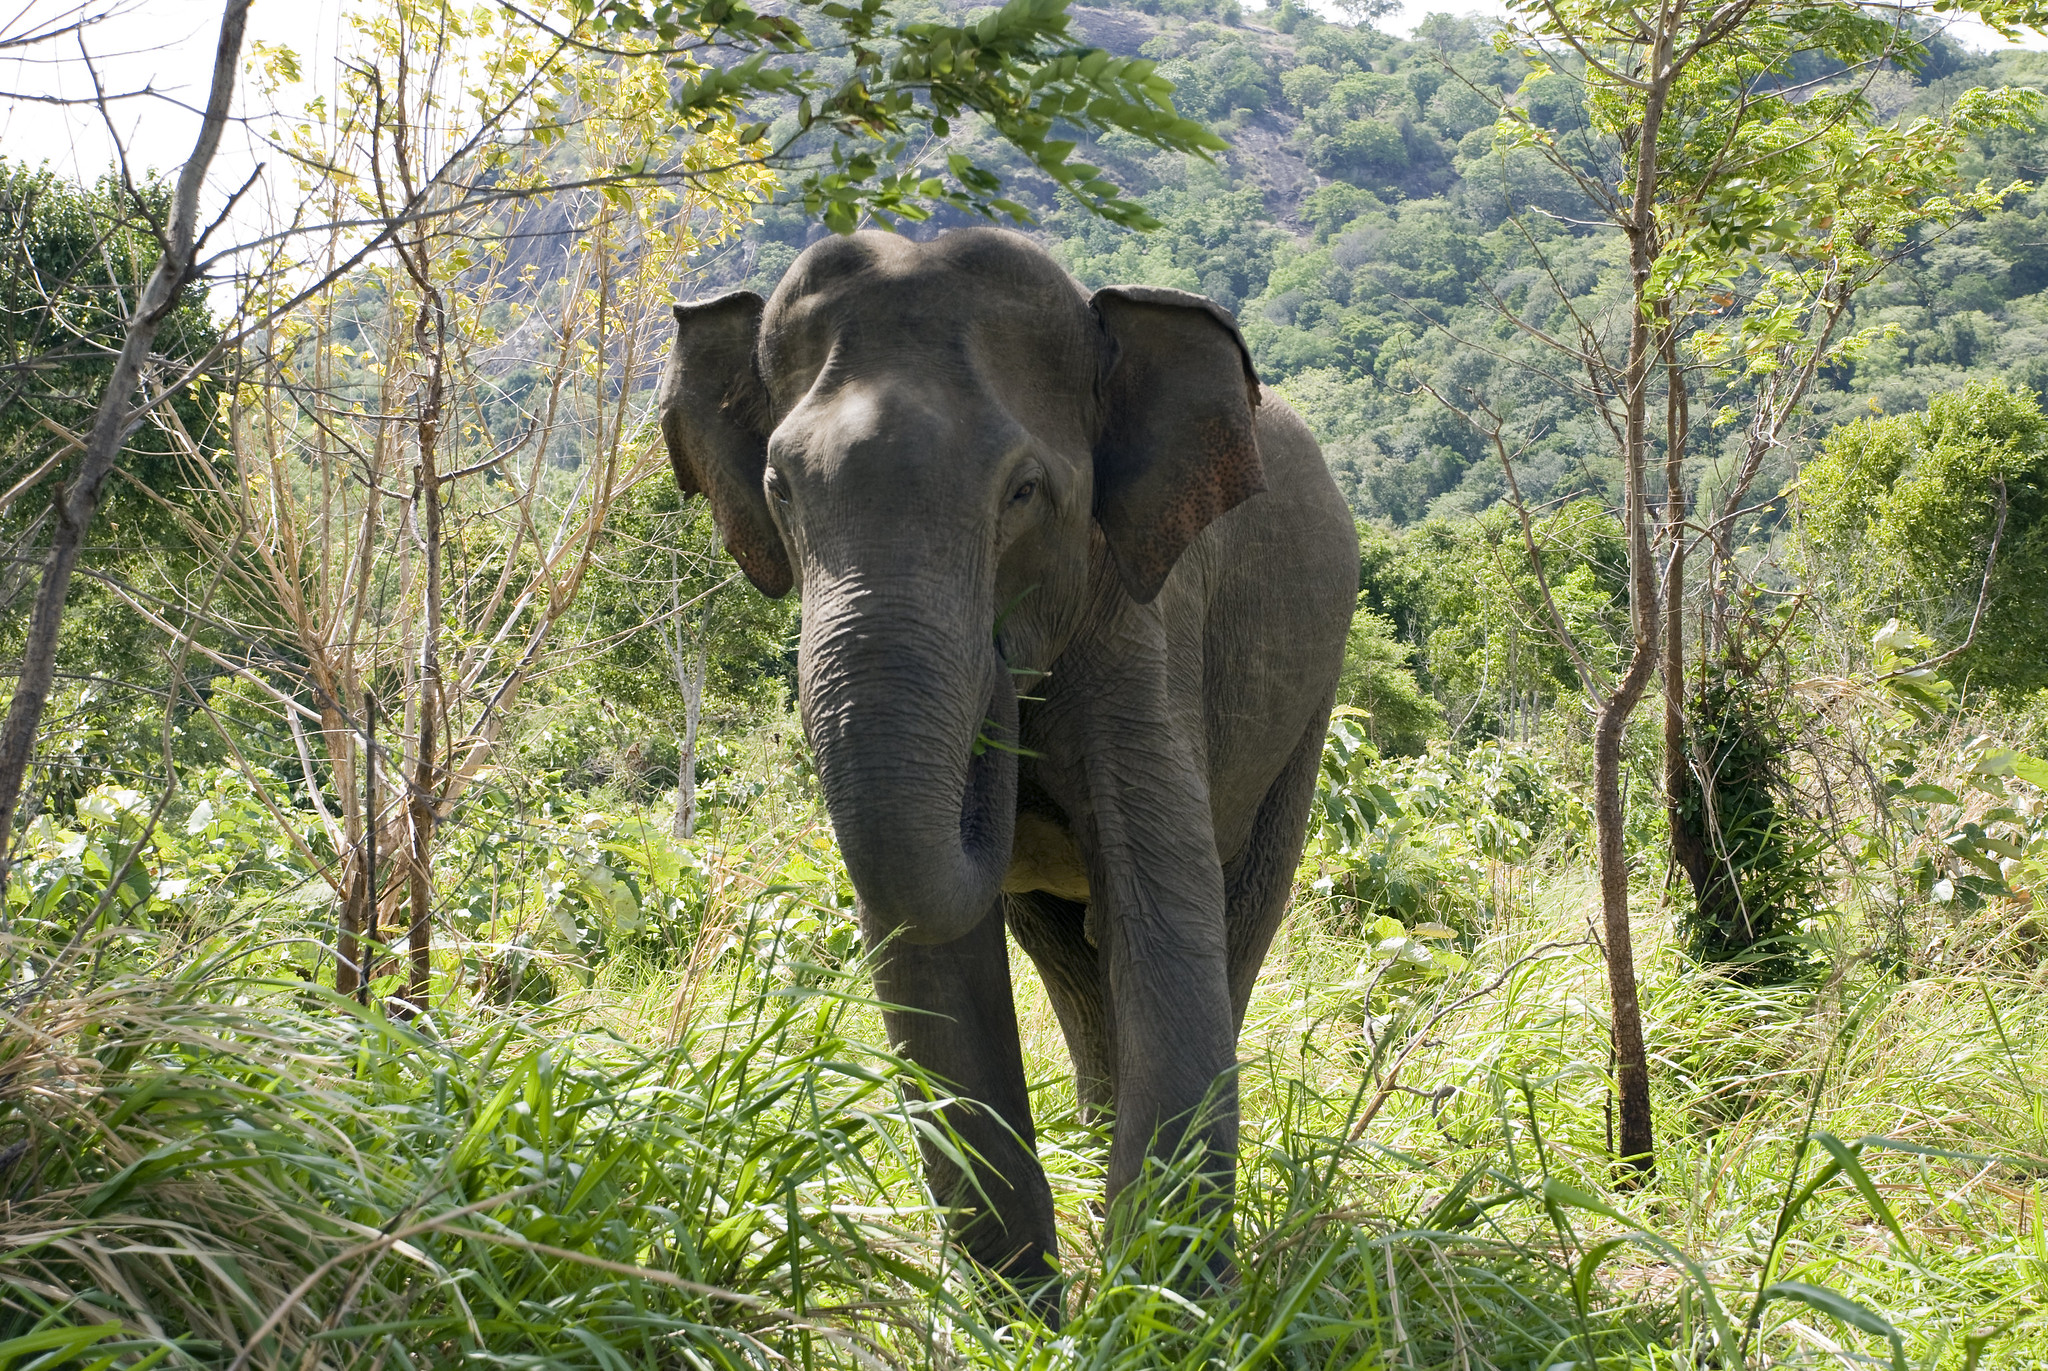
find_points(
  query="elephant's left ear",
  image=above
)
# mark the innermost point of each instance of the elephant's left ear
(714, 417)
(1179, 444)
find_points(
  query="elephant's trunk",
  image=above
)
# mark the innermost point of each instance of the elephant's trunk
(915, 730)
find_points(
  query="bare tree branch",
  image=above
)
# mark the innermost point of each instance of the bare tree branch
(111, 427)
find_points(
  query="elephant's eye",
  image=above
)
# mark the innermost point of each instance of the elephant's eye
(778, 486)
(1022, 494)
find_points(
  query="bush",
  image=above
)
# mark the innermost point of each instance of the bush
(1902, 511)
(1423, 839)
(1758, 879)
(1379, 684)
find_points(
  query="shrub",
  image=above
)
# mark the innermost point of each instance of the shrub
(1423, 839)
(1758, 878)
(1379, 683)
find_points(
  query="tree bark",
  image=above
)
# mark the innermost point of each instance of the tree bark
(424, 802)
(1636, 1148)
(78, 502)
(693, 708)
(356, 913)
(1688, 852)
(372, 833)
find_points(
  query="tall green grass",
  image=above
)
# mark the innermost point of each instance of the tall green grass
(707, 1158)
(207, 1168)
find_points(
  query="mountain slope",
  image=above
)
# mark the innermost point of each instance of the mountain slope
(1360, 226)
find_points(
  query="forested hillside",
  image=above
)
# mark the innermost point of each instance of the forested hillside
(1360, 226)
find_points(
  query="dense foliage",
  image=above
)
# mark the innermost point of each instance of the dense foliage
(1905, 510)
(72, 259)
(1359, 225)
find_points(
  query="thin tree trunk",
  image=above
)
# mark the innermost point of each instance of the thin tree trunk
(420, 896)
(1636, 1147)
(1688, 853)
(692, 682)
(424, 799)
(1637, 1151)
(356, 885)
(76, 505)
(372, 833)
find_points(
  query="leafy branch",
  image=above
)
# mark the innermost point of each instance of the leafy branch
(1019, 69)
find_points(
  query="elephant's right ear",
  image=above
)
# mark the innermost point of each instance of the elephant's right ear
(1179, 444)
(714, 416)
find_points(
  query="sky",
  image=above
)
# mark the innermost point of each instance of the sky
(165, 47)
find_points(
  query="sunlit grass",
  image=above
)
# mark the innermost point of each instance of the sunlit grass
(703, 1157)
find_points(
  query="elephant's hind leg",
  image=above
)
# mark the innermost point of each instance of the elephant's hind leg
(958, 1022)
(1259, 879)
(1053, 932)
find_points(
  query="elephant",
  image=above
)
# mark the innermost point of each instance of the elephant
(1075, 591)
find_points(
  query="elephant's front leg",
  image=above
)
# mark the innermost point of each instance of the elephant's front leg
(1123, 749)
(958, 1022)
(1175, 1040)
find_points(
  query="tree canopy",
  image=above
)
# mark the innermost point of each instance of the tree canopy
(1904, 510)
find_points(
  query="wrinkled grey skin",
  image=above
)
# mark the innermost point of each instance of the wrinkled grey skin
(988, 484)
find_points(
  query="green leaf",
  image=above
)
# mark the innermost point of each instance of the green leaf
(1563, 1192)
(1846, 1156)
(1928, 794)
(1582, 1274)
(1841, 1308)
(59, 1346)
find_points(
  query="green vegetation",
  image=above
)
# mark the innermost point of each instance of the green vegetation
(1904, 512)
(688, 1148)
(71, 259)
(1360, 226)
(603, 1085)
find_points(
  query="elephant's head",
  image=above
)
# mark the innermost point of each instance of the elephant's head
(936, 441)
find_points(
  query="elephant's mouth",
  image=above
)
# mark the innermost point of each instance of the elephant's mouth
(989, 798)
